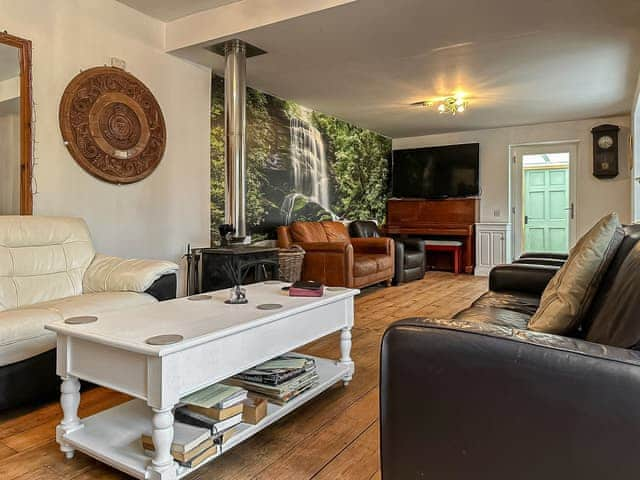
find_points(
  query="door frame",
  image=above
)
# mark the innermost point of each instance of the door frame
(516, 153)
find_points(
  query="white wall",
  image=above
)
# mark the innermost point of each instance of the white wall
(10, 163)
(158, 216)
(594, 197)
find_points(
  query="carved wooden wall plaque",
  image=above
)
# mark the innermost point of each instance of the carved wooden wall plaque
(112, 125)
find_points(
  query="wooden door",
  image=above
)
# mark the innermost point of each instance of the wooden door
(546, 209)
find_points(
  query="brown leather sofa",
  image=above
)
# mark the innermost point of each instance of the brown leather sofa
(335, 259)
(481, 396)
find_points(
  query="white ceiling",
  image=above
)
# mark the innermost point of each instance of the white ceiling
(521, 62)
(167, 10)
(9, 62)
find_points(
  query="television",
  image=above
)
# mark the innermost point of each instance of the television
(436, 172)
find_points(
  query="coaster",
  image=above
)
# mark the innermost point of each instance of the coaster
(269, 306)
(81, 320)
(197, 298)
(164, 339)
(336, 289)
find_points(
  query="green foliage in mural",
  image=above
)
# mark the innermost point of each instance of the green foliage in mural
(357, 162)
(360, 167)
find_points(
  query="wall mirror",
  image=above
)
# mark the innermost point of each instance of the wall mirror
(16, 146)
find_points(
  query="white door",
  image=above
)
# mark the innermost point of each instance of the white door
(635, 174)
(543, 197)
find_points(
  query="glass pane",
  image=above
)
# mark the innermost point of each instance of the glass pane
(539, 160)
(9, 130)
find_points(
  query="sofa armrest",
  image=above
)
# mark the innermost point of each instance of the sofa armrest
(521, 277)
(114, 274)
(554, 256)
(373, 245)
(462, 397)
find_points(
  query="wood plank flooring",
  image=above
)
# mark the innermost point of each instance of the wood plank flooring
(333, 437)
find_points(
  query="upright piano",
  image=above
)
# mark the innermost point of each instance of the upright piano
(451, 219)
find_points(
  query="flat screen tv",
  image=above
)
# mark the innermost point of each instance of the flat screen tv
(436, 172)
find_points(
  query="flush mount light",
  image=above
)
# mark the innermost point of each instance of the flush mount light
(451, 105)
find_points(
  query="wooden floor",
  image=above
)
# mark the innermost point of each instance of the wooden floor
(335, 436)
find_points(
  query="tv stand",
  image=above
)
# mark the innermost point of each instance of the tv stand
(450, 218)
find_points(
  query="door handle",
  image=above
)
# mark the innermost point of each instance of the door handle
(571, 211)
(526, 219)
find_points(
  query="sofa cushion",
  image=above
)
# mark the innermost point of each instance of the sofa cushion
(22, 333)
(616, 322)
(494, 315)
(413, 259)
(570, 292)
(114, 274)
(336, 232)
(384, 262)
(525, 303)
(95, 303)
(308, 232)
(42, 258)
(364, 265)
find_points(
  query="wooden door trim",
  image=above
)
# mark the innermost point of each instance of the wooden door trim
(26, 113)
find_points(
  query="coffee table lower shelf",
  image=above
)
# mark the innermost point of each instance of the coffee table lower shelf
(113, 436)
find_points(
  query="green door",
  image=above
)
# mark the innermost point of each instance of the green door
(546, 209)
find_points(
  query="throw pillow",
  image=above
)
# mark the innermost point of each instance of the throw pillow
(570, 292)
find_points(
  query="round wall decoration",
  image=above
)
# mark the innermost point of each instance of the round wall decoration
(112, 125)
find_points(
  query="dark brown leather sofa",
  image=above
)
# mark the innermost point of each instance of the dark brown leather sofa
(409, 252)
(333, 258)
(480, 396)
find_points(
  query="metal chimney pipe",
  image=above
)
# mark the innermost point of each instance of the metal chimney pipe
(235, 103)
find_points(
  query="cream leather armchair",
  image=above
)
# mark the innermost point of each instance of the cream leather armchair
(50, 271)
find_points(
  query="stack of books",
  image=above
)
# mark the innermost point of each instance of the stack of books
(217, 408)
(280, 379)
(191, 445)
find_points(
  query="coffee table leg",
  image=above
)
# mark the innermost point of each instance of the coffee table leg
(162, 465)
(69, 401)
(345, 354)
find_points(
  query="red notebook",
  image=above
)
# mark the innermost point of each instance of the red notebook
(306, 289)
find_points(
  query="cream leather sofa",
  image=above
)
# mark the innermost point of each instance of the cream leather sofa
(50, 271)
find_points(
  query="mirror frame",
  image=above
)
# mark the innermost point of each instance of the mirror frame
(26, 131)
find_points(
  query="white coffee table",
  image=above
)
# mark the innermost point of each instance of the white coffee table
(220, 340)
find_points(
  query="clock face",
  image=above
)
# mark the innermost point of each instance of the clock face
(605, 142)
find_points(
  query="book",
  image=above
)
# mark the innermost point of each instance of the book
(278, 371)
(218, 395)
(147, 444)
(282, 400)
(218, 413)
(285, 391)
(225, 436)
(201, 457)
(216, 427)
(306, 288)
(185, 436)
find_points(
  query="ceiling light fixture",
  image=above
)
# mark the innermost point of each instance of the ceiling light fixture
(452, 105)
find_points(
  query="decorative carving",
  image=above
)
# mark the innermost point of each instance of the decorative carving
(112, 125)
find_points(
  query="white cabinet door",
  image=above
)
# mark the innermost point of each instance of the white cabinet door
(493, 246)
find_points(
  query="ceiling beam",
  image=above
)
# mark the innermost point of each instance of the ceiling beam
(206, 27)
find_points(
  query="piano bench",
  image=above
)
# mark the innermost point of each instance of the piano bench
(452, 246)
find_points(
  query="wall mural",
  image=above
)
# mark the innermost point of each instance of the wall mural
(301, 165)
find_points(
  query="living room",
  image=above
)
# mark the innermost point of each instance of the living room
(467, 170)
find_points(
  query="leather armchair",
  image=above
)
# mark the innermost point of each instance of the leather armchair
(333, 258)
(409, 252)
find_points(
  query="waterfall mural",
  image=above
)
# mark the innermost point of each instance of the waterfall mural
(301, 165)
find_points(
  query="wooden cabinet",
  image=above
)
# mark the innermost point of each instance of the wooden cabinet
(493, 246)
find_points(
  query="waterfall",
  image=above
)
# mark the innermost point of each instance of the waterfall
(309, 161)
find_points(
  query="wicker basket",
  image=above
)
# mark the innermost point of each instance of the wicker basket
(291, 263)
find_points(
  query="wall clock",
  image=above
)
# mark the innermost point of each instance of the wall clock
(112, 125)
(605, 151)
